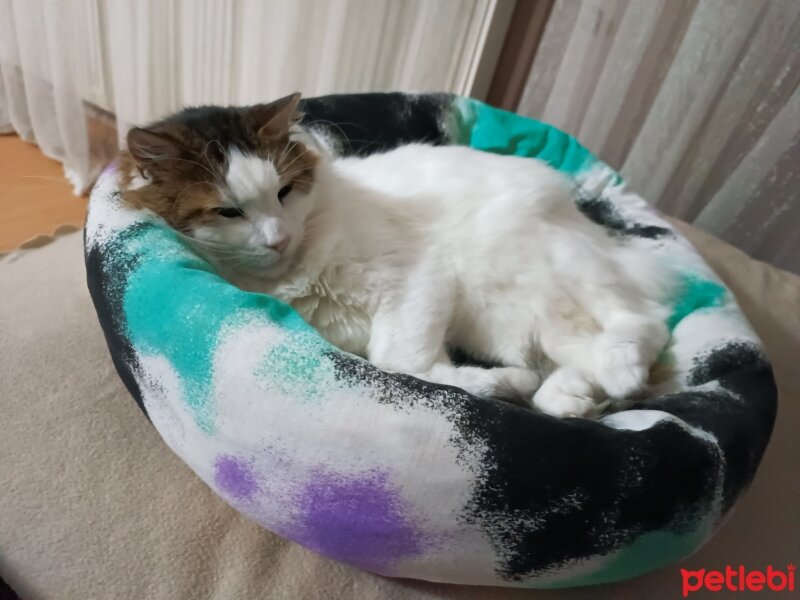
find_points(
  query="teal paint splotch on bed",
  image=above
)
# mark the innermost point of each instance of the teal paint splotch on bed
(695, 294)
(481, 126)
(298, 367)
(651, 550)
(176, 307)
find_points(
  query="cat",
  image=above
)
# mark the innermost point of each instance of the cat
(400, 255)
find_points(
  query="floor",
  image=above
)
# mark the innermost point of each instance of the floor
(35, 198)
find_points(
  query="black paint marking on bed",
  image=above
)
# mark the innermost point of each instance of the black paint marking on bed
(108, 268)
(604, 213)
(366, 124)
(550, 491)
(740, 413)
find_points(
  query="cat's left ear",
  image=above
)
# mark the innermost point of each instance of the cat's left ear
(276, 118)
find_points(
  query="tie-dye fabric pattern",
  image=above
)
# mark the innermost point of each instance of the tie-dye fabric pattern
(411, 479)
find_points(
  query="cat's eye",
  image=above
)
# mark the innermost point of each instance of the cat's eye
(229, 212)
(283, 192)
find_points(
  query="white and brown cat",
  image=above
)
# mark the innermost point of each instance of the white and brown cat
(399, 256)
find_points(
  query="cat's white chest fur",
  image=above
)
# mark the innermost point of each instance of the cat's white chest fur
(333, 304)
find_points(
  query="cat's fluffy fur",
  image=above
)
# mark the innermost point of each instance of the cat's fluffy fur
(398, 256)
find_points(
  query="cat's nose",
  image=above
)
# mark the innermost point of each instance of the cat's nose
(279, 244)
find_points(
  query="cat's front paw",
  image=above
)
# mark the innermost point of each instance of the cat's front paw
(567, 393)
(622, 366)
(514, 384)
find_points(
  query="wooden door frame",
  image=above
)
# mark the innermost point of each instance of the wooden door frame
(523, 36)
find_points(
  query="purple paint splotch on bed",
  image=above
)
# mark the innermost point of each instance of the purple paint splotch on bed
(234, 477)
(359, 520)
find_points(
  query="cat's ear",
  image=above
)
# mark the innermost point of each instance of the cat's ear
(276, 118)
(149, 147)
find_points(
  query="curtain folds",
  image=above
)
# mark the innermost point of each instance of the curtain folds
(695, 101)
(68, 69)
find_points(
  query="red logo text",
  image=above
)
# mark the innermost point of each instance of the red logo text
(739, 580)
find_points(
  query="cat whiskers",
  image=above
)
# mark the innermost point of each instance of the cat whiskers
(223, 248)
(298, 176)
(178, 197)
(325, 122)
(295, 159)
(289, 147)
(349, 140)
(204, 153)
(225, 253)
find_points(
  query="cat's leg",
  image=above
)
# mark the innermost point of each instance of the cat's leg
(568, 393)
(610, 338)
(631, 334)
(424, 356)
(409, 328)
(408, 336)
(612, 363)
(625, 350)
(563, 346)
(513, 384)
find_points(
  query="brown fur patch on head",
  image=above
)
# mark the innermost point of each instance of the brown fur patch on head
(184, 158)
(183, 198)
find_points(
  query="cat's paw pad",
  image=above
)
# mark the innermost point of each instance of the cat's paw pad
(566, 393)
(622, 369)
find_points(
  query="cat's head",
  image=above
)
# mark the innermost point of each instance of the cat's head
(234, 179)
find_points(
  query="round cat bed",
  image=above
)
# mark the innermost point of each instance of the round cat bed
(411, 479)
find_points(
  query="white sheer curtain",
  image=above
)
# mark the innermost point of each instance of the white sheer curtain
(696, 102)
(49, 64)
(67, 66)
